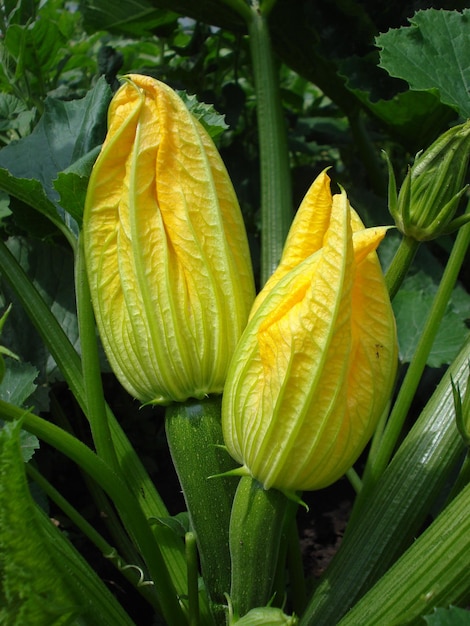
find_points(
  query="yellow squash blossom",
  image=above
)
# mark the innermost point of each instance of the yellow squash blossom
(315, 366)
(166, 249)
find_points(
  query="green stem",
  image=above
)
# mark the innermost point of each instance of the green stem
(378, 463)
(69, 364)
(241, 7)
(94, 396)
(433, 572)
(276, 195)
(101, 500)
(354, 479)
(194, 434)
(129, 572)
(131, 514)
(256, 527)
(400, 264)
(395, 510)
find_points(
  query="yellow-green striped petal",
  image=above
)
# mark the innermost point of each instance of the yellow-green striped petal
(315, 366)
(166, 249)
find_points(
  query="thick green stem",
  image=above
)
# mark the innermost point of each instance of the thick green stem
(396, 507)
(433, 572)
(194, 434)
(276, 194)
(378, 462)
(256, 527)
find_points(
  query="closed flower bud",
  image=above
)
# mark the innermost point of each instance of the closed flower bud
(266, 616)
(166, 249)
(430, 194)
(315, 366)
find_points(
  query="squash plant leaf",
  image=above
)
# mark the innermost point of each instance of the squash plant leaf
(43, 579)
(18, 383)
(131, 17)
(50, 268)
(432, 54)
(32, 589)
(66, 132)
(453, 616)
(412, 305)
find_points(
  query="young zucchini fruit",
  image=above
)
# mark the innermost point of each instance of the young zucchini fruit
(194, 435)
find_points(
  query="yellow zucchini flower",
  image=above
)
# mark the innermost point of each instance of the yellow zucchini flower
(165, 248)
(315, 366)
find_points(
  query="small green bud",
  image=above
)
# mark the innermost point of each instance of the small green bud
(266, 616)
(429, 196)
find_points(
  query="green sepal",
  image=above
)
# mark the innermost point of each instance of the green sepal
(457, 223)
(404, 204)
(441, 221)
(392, 189)
(237, 471)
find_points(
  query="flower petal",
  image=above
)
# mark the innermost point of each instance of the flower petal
(167, 252)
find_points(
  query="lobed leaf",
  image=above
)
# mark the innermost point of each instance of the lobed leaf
(433, 54)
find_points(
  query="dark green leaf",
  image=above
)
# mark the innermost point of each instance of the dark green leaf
(43, 580)
(32, 592)
(66, 132)
(34, 47)
(135, 17)
(411, 306)
(18, 382)
(72, 184)
(433, 54)
(413, 115)
(51, 270)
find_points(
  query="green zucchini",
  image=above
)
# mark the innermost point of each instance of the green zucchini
(194, 435)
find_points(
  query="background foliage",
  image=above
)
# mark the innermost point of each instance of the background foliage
(356, 78)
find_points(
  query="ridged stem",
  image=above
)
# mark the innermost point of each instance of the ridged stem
(276, 194)
(397, 506)
(432, 573)
(400, 265)
(377, 464)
